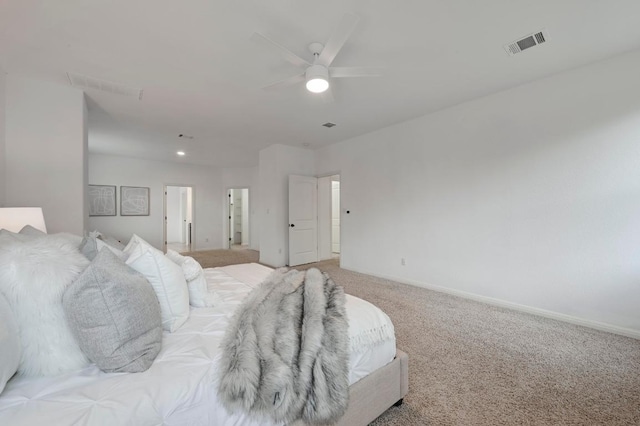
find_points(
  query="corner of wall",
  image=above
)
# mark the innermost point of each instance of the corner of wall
(277, 162)
(3, 178)
(85, 163)
(44, 150)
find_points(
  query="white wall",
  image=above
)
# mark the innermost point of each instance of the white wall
(242, 177)
(276, 163)
(530, 196)
(85, 163)
(2, 136)
(45, 151)
(207, 182)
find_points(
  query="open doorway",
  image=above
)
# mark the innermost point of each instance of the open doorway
(329, 217)
(238, 229)
(335, 216)
(179, 222)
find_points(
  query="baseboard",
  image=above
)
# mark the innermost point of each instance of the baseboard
(628, 332)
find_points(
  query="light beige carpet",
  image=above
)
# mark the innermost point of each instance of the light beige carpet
(475, 364)
(215, 258)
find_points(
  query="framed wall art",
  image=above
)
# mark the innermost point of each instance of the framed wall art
(102, 200)
(134, 201)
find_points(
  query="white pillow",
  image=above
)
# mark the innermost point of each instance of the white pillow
(190, 267)
(199, 294)
(93, 234)
(175, 257)
(10, 349)
(33, 277)
(133, 242)
(165, 277)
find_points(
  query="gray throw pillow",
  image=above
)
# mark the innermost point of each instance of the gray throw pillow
(31, 231)
(114, 314)
(90, 246)
(8, 236)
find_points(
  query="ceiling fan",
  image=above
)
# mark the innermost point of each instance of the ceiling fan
(317, 74)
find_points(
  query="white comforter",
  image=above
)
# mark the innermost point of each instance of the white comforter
(179, 388)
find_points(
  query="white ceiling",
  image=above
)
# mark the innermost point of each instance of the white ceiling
(202, 76)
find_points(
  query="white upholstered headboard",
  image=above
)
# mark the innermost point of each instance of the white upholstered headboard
(15, 218)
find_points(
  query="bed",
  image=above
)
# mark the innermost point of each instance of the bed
(180, 387)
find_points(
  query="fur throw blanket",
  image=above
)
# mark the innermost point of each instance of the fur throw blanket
(285, 353)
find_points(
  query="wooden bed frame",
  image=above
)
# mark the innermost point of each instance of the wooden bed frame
(376, 393)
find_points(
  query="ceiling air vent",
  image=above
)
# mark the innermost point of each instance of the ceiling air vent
(329, 125)
(86, 82)
(526, 42)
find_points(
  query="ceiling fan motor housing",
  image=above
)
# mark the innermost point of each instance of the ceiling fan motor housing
(317, 78)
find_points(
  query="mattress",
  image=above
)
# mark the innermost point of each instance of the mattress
(180, 387)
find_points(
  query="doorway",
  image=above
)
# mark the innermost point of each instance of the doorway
(335, 216)
(238, 229)
(179, 224)
(303, 220)
(329, 244)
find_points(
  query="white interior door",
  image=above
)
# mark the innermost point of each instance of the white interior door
(303, 220)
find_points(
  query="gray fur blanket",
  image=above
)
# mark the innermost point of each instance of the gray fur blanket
(285, 352)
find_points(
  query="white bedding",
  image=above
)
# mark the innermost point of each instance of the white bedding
(179, 388)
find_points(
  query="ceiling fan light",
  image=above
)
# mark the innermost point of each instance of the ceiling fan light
(317, 85)
(317, 78)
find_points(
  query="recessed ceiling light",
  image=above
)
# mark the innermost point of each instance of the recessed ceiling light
(180, 153)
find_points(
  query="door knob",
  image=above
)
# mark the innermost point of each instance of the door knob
(292, 225)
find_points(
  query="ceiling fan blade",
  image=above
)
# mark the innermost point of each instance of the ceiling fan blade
(285, 83)
(288, 55)
(343, 72)
(338, 39)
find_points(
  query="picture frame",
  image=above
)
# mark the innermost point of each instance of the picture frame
(134, 201)
(102, 200)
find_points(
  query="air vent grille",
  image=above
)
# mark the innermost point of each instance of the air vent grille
(86, 82)
(527, 42)
(329, 125)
